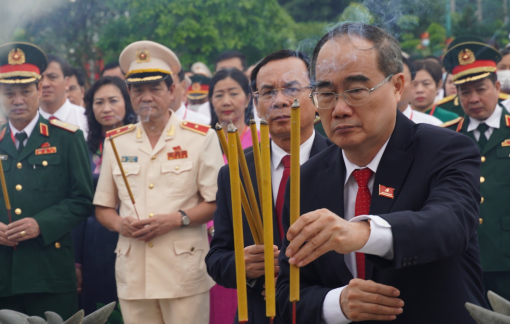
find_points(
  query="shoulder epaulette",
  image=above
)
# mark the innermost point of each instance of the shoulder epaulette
(317, 120)
(452, 122)
(446, 99)
(120, 130)
(504, 96)
(194, 127)
(60, 124)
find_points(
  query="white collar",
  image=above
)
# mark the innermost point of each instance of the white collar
(493, 121)
(61, 112)
(408, 111)
(28, 129)
(277, 153)
(181, 111)
(373, 165)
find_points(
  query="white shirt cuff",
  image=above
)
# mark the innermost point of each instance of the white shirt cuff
(380, 242)
(331, 311)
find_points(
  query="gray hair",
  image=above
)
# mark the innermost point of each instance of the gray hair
(388, 48)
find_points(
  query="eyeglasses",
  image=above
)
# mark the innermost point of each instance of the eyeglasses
(353, 97)
(270, 94)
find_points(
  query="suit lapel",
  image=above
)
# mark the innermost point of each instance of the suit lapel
(498, 135)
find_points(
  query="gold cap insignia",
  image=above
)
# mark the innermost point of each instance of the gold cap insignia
(143, 56)
(466, 56)
(16, 57)
(195, 86)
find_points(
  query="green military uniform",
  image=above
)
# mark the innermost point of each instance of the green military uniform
(50, 181)
(470, 60)
(441, 114)
(452, 103)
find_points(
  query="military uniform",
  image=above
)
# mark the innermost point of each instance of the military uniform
(469, 60)
(452, 103)
(177, 174)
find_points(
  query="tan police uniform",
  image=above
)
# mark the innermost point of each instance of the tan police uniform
(168, 274)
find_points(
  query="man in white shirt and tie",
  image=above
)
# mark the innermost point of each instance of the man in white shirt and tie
(53, 97)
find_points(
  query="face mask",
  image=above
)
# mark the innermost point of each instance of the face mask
(425, 42)
(194, 107)
(504, 79)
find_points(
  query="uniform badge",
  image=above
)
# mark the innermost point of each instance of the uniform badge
(16, 57)
(4, 157)
(46, 150)
(43, 128)
(507, 120)
(143, 56)
(506, 142)
(45, 144)
(386, 191)
(2, 134)
(466, 56)
(129, 159)
(178, 154)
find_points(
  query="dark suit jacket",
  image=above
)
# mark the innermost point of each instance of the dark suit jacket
(433, 216)
(220, 259)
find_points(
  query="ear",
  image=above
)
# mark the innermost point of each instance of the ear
(67, 81)
(498, 86)
(398, 83)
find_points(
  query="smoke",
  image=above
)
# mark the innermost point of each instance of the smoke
(16, 14)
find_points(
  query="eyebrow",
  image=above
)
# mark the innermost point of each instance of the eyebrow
(323, 84)
(285, 85)
(356, 78)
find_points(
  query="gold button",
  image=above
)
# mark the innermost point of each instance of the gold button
(483, 159)
(45, 163)
(481, 221)
(153, 157)
(196, 126)
(19, 165)
(17, 211)
(150, 244)
(19, 187)
(192, 249)
(57, 245)
(151, 215)
(482, 179)
(481, 200)
(151, 186)
(177, 168)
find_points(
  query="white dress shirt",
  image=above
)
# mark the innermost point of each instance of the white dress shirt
(380, 241)
(28, 130)
(187, 114)
(493, 123)
(71, 114)
(205, 109)
(419, 117)
(277, 154)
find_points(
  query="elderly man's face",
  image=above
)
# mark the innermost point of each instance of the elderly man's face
(350, 62)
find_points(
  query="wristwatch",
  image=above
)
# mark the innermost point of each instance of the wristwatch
(184, 219)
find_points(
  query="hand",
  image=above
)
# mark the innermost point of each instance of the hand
(23, 229)
(79, 280)
(365, 300)
(324, 231)
(3, 236)
(125, 226)
(157, 225)
(254, 260)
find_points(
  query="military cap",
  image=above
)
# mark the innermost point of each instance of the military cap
(199, 87)
(469, 59)
(146, 61)
(21, 63)
(201, 68)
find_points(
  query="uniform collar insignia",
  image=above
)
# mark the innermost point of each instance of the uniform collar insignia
(507, 120)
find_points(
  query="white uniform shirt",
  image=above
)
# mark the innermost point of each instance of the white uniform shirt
(379, 243)
(187, 114)
(28, 130)
(71, 114)
(493, 123)
(419, 117)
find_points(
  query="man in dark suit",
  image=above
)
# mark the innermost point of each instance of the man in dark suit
(276, 81)
(389, 213)
(487, 123)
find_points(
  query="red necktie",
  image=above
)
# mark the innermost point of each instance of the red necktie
(362, 207)
(281, 192)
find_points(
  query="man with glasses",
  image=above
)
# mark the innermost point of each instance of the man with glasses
(389, 217)
(276, 81)
(488, 124)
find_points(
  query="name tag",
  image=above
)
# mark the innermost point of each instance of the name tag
(129, 159)
(4, 157)
(387, 192)
(46, 150)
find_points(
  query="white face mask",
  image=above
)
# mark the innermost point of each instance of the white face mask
(425, 42)
(504, 79)
(194, 107)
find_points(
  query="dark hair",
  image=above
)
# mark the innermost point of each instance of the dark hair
(388, 48)
(505, 51)
(181, 75)
(431, 67)
(435, 59)
(64, 67)
(79, 74)
(110, 66)
(242, 80)
(409, 64)
(230, 55)
(275, 56)
(95, 135)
